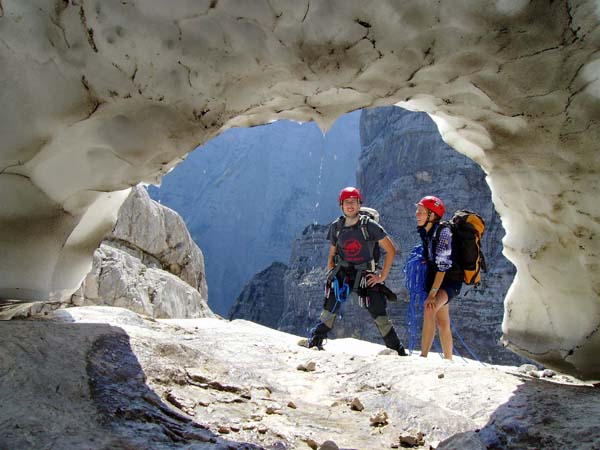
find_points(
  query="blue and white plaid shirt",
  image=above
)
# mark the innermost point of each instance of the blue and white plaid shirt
(441, 256)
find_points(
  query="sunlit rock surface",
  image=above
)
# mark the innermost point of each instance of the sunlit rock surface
(99, 96)
(99, 378)
(148, 264)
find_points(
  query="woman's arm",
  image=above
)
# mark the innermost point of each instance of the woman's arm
(443, 262)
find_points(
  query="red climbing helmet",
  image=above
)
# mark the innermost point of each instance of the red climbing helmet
(433, 204)
(350, 192)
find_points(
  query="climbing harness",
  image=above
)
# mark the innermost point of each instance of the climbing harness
(341, 293)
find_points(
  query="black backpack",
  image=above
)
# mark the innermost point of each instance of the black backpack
(365, 214)
(467, 230)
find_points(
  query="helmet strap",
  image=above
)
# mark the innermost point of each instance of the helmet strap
(429, 214)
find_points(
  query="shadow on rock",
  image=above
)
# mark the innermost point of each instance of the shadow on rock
(74, 386)
(540, 414)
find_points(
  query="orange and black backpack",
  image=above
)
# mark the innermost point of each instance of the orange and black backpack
(467, 230)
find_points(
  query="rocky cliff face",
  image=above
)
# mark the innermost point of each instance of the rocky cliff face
(288, 298)
(261, 300)
(303, 281)
(402, 159)
(148, 264)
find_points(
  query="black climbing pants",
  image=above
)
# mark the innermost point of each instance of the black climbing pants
(377, 307)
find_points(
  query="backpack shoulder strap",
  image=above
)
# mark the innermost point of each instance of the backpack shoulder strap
(438, 231)
(338, 225)
(364, 220)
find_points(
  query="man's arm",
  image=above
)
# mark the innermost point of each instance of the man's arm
(331, 257)
(390, 251)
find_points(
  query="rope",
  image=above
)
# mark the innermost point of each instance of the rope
(415, 272)
(341, 294)
(471, 352)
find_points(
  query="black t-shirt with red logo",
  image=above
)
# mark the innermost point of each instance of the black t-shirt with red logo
(352, 245)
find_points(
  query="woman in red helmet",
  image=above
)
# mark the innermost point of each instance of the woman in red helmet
(444, 280)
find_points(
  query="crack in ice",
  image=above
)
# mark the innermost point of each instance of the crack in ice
(89, 31)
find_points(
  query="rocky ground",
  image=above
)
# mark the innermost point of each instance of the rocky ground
(107, 378)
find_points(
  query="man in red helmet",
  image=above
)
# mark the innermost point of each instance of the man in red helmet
(352, 268)
(444, 280)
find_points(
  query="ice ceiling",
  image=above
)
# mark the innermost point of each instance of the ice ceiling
(97, 96)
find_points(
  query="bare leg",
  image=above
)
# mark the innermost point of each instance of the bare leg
(429, 323)
(428, 331)
(443, 322)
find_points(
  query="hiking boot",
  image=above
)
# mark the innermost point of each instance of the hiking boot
(316, 341)
(391, 341)
(393, 351)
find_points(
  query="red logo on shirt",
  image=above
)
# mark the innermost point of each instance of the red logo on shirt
(352, 247)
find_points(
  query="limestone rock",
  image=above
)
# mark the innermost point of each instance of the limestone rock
(526, 368)
(379, 419)
(412, 440)
(356, 405)
(118, 279)
(158, 235)
(329, 445)
(149, 264)
(273, 409)
(312, 443)
(462, 441)
(105, 377)
(309, 366)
